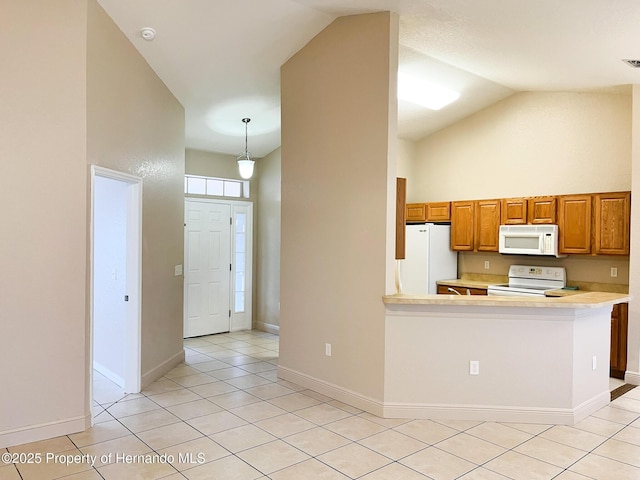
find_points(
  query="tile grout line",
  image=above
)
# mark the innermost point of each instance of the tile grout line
(324, 426)
(147, 396)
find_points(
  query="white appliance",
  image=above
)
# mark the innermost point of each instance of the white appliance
(428, 258)
(529, 239)
(529, 280)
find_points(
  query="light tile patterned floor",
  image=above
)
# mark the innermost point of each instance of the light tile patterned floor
(225, 415)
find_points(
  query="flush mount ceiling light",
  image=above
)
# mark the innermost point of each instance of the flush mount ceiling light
(429, 95)
(245, 162)
(148, 33)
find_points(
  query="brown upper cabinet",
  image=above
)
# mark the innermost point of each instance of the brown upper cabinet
(574, 223)
(428, 212)
(416, 212)
(514, 211)
(475, 225)
(542, 210)
(595, 223)
(462, 226)
(534, 210)
(612, 218)
(438, 211)
(487, 225)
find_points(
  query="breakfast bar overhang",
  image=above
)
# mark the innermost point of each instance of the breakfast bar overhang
(539, 360)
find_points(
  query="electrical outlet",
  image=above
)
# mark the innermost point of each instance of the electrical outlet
(486, 264)
(327, 349)
(614, 272)
(474, 367)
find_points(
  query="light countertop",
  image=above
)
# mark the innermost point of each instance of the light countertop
(575, 300)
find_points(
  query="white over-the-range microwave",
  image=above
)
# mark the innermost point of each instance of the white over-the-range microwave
(529, 240)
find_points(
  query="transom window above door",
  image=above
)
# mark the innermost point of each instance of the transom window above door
(216, 187)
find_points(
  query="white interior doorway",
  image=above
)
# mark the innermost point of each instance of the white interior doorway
(116, 221)
(218, 261)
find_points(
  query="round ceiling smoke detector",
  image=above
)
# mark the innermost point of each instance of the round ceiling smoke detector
(148, 33)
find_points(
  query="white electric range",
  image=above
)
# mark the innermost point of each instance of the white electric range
(530, 280)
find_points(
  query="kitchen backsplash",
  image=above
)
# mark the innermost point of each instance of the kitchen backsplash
(580, 268)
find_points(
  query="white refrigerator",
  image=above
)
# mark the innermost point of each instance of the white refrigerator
(428, 258)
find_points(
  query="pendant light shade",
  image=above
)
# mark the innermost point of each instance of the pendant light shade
(245, 162)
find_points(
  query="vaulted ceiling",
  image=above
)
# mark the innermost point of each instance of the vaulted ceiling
(222, 58)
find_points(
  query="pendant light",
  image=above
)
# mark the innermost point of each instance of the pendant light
(245, 162)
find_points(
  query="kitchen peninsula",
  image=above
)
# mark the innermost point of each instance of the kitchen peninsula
(513, 359)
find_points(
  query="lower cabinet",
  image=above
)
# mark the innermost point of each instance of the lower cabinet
(619, 327)
(444, 289)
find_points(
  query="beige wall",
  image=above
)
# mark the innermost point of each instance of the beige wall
(405, 161)
(633, 351)
(267, 278)
(74, 92)
(145, 139)
(211, 164)
(43, 201)
(581, 269)
(337, 135)
(529, 144)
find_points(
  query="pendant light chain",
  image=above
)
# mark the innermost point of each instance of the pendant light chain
(245, 162)
(246, 126)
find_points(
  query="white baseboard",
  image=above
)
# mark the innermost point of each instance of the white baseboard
(592, 405)
(552, 416)
(495, 413)
(43, 431)
(115, 378)
(158, 371)
(268, 327)
(341, 394)
(499, 413)
(632, 377)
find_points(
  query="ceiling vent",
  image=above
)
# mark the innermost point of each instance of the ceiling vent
(632, 63)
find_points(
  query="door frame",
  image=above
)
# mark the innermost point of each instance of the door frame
(242, 320)
(133, 376)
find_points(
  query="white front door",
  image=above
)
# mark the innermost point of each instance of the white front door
(207, 268)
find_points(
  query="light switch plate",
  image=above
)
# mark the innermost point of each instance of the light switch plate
(474, 367)
(178, 270)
